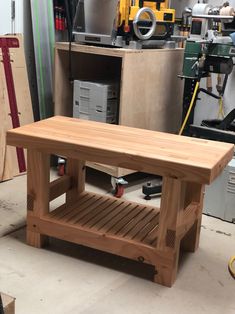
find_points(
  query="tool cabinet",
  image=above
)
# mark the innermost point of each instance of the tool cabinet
(150, 95)
(144, 233)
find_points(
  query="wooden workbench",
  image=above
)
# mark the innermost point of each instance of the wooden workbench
(140, 232)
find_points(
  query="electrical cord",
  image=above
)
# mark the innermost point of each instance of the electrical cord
(69, 17)
(221, 108)
(221, 103)
(190, 108)
(205, 91)
(231, 266)
(196, 90)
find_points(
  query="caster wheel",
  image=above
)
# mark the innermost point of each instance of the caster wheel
(61, 170)
(61, 167)
(119, 190)
(118, 185)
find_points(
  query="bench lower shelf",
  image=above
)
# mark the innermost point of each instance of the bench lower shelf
(117, 226)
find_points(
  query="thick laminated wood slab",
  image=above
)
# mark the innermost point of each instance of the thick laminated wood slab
(182, 158)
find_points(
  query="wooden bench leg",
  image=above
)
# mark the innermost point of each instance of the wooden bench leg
(38, 178)
(195, 193)
(36, 239)
(172, 203)
(76, 169)
(166, 273)
(176, 197)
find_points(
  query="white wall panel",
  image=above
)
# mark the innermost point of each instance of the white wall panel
(5, 17)
(179, 5)
(19, 21)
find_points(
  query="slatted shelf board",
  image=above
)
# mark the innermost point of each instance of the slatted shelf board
(105, 215)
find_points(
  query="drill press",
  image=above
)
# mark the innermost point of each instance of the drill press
(209, 49)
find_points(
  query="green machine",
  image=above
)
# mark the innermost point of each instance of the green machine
(201, 59)
(209, 49)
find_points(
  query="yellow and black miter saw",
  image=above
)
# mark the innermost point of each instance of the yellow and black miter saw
(124, 23)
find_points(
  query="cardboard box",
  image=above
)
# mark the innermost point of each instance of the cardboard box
(8, 304)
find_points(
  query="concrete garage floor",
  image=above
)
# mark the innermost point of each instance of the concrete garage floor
(66, 278)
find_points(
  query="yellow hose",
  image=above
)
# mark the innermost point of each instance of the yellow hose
(190, 108)
(231, 267)
(221, 108)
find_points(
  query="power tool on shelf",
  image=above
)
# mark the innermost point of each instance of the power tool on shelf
(210, 48)
(124, 23)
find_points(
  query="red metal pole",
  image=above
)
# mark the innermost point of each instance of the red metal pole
(5, 44)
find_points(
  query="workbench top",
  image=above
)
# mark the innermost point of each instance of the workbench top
(183, 158)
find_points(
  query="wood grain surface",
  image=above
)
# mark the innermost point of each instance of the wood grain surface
(140, 232)
(169, 155)
(107, 51)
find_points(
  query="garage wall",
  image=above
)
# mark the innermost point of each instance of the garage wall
(179, 5)
(5, 17)
(207, 108)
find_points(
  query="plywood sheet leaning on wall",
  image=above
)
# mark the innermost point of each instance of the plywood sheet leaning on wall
(8, 157)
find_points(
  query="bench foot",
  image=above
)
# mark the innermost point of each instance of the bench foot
(165, 276)
(166, 272)
(36, 239)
